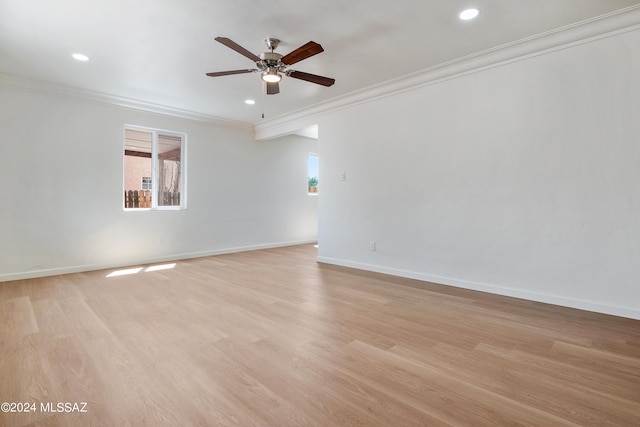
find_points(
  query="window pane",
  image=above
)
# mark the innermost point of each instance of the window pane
(169, 170)
(137, 166)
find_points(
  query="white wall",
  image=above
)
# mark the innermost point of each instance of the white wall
(522, 179)
(61, 174)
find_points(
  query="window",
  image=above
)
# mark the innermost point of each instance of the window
(146, 183)
(312, 173)
(154, 169)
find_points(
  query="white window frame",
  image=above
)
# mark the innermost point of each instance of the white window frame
(154, 167)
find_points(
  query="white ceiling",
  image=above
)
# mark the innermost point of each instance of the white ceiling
(158, 51)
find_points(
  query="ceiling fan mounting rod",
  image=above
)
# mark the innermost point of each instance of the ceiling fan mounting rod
(272, 43)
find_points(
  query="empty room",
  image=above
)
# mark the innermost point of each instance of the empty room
(337, 213)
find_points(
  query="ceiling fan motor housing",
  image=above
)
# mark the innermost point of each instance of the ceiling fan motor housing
(269, 60)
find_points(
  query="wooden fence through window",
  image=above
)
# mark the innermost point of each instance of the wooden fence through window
(142, 199)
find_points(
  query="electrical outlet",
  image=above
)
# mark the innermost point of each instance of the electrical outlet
(372, 246)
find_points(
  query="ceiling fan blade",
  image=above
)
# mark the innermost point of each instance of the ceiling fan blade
(273, 88)
(324, 81)
(228, 73)
(303, 52)
(235, 46)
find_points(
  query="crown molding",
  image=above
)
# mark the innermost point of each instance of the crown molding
(597, 28)
(104, 98)
(611, 24)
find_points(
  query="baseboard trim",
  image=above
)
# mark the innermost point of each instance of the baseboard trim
(33, 274)
(628, 312)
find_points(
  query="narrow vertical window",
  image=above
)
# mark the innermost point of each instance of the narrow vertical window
(312, 173)
(154, 169)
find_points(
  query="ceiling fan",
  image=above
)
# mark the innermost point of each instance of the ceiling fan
(272, 65)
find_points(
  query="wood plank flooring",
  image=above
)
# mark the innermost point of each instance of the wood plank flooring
(273, 338)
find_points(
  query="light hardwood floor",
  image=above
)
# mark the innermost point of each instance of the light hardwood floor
(272, 338)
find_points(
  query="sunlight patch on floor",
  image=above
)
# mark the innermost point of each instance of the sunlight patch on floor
(160, 267)
(136, 270)
(124, 272)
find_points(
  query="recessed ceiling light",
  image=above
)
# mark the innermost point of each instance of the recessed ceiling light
(80, 57)
(468, 14)
(249, 101)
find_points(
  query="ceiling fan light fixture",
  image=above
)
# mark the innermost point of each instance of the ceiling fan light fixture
(271, 76)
